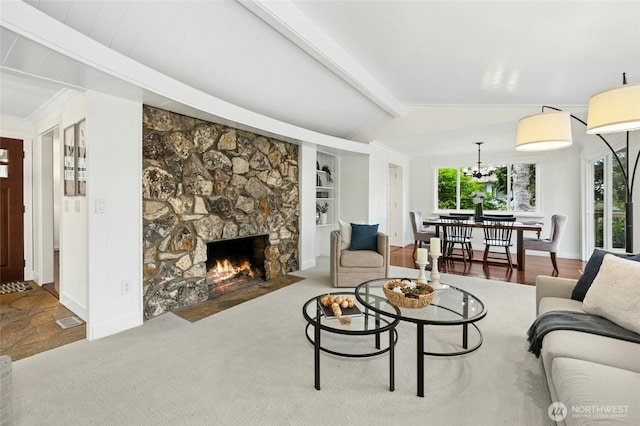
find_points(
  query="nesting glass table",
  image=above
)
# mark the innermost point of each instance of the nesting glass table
(450, 306)
(359, 339)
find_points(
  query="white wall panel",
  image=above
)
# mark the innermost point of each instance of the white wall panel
(114, 181)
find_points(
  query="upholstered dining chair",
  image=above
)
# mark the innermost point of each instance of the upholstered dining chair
(551, 244)
(497, 233)
(420, 234)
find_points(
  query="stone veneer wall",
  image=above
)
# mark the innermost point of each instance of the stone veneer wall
(204, 182)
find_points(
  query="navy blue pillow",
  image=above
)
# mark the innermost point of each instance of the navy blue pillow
(591, 270)
(364, 237)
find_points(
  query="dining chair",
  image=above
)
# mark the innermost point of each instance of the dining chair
(551, 244)
(497, 233)
(420, 233)
(454, 232)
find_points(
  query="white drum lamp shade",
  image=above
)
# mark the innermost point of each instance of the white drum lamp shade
(615, 110)
(544, 131)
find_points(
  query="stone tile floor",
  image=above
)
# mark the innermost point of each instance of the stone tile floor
(28, 323)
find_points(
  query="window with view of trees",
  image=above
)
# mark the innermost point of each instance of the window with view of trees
(513, 189)
(609, 202)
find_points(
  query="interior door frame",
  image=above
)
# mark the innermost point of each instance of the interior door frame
(44, 250)
(394, 206)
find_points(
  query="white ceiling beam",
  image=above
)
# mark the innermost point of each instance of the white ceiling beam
(288, 20)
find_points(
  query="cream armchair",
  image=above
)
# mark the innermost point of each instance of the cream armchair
(350, 268)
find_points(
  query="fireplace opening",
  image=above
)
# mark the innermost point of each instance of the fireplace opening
(235, 264)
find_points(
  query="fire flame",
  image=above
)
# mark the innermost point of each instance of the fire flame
(224, 269)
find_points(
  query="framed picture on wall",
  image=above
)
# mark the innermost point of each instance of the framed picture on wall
(81, 158)
(69, 159)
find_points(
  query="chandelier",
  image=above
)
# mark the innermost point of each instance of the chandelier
(480, 174)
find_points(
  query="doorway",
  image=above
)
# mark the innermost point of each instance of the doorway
(11, 210)
(51, 198)
(394, 213)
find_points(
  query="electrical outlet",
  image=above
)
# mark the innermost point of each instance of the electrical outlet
(125, 287)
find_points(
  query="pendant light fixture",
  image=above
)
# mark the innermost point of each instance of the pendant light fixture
(480, 174)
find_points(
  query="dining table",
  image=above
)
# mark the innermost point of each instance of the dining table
(519, 227)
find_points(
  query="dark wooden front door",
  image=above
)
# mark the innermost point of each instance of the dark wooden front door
(11, 210)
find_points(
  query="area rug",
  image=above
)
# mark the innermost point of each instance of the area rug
(225, 301)
(14, 287)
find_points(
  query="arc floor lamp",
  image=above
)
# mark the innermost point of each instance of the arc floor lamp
(611, 111)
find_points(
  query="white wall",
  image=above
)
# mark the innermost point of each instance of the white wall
(560, 192)
(306, 171)
(354, 188)
(73, 213)
(364, 190)
(114, 181)
(379, 161)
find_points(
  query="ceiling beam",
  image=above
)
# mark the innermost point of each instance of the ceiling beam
(288, 20)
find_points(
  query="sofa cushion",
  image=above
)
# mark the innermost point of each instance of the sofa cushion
(364, 237)
(614, 293)
(595, 393)
(345, 234)
(591, 270)
(361, 259)
(590, 347)
(548, 304)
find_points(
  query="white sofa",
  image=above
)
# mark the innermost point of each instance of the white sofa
(597, 378)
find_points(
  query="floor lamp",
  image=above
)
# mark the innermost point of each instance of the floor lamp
(611, 111)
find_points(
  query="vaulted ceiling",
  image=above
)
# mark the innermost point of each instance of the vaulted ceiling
(399, 72)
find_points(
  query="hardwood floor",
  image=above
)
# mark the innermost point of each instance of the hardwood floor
(28, 319)
(535, 265)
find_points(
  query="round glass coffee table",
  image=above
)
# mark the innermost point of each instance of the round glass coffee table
(450, 306)
(357, 333)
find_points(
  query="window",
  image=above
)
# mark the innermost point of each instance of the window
(609, 202)
(512, 188)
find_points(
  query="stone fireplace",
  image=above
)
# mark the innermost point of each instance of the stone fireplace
(205, 183)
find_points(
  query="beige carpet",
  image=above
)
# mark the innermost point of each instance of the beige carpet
(252, 365)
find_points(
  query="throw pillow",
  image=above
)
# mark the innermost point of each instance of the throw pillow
(345, 234)
(364, 237)
(591, 270)
(614, 293)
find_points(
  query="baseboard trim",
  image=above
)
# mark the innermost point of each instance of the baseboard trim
(308, 264)
(108, 328)
(75, 307)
